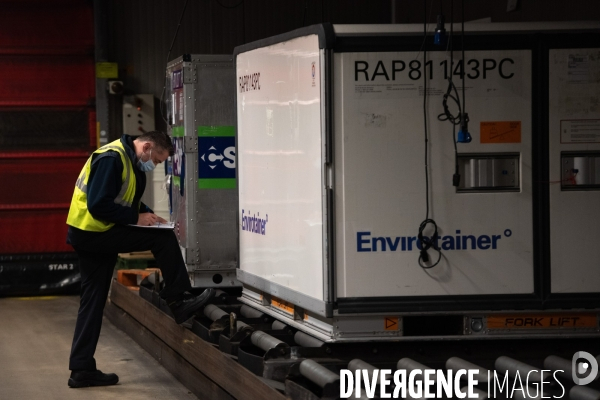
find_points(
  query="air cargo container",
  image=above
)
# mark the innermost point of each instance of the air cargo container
(344, 150)
(202, 185)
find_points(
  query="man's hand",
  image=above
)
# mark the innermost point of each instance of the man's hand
(149, 219)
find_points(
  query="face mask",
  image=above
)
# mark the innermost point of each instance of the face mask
(146, 166)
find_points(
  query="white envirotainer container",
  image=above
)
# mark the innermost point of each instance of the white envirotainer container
(331, 124)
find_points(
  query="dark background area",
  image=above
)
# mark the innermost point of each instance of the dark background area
(140, 32)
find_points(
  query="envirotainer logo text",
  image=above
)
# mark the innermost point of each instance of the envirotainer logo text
(254, 223)
(367, 242)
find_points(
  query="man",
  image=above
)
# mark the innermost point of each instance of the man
(106, 201)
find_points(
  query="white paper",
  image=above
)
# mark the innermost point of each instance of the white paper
(157, 225)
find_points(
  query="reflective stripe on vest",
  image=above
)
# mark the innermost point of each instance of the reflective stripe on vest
(79, 216)
(119, 199)
(82, 186)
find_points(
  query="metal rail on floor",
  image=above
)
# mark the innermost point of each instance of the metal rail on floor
(224, 377)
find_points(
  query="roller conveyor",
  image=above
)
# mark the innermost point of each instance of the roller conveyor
(302, 366)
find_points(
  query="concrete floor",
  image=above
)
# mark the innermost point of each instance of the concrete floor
(35, 342)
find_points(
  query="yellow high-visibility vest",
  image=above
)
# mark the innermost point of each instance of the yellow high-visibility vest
(79, 216)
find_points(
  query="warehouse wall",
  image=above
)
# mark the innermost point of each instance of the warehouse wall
(141, 31)
(412, 11)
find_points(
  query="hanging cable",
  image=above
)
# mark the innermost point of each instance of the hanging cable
(162, 95)
(304, 16)
(439, 38)
(452, 94)
(423, 44)
(425, 242)
(462, 45)
(454, 120)
(463, 135)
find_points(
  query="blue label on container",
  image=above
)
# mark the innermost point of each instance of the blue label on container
(216, 157)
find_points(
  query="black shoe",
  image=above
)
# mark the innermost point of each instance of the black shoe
(81, 379)
(188, 304)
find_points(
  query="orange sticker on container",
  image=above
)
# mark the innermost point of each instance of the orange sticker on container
(500, 132)
(391, 323)
(282, 305)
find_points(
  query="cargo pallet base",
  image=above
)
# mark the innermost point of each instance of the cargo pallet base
(464, 325)
(234, 351)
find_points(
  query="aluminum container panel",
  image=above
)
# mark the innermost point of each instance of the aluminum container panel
(204, 199)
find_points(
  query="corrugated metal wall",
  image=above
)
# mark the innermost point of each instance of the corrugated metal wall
(141, 31)
(411, 11)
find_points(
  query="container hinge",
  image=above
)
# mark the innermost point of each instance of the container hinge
(329, 176)
(189, 74)
(190, 144)
(192, 255)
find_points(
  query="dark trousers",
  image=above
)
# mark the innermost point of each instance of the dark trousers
(98, 256)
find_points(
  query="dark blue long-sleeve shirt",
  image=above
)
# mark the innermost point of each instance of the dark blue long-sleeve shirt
(103, 186)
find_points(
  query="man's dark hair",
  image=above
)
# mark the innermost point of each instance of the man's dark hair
(160, 139)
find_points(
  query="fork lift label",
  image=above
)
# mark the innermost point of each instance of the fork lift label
(550, 321)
